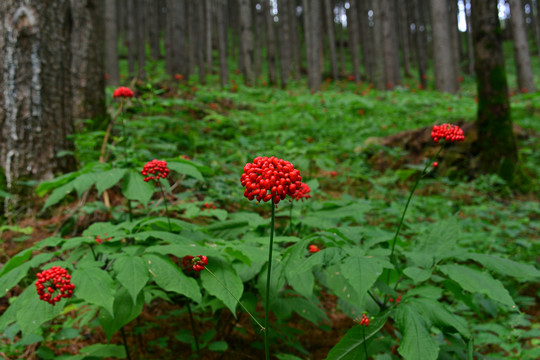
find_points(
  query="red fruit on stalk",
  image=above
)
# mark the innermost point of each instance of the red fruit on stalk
(55, 280)
(155, 169)
(448, 132)
(123, 92)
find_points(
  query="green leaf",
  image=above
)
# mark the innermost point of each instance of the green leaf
(361, 272)
(441, 239)
(307, 309)
(15, 261)
(33, 312)
(476, 281)
(228, 278)
(303, 283)
(417, 342)
(439, 316)
(12, 278)
(170, 278)
(417, 274)
(219, 346)
(135, 188)
(506, 267)
(94, 286)
(108, 179)
(104, 350)
(84, 182)
(125, 310)
(58, 194)
(131, 272)
(351, 346)
(186, 169)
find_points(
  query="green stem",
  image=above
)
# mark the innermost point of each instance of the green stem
(235, 298)
(130, 209)
(364, 336)
(166, 208)
(93, 252)
(268, 276)
(124, 340)
(392, 258)
(194, 329)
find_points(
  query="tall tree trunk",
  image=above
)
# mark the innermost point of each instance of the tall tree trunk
(536, 16)
(296, 53)
(313, 47)
(329, 18)
(341, 34)
(140, 38)
(404, 36)
(175, 41)
(443, 61)
(259, 35)
(208, 6)
(470, 52)
(192, 28)
(111, 44)
(285, 51)
(421, 45)
(378, 53)
(522, 58)
(199, 23)
(221, 31)
(366, 39)
(354, 38)
(457, 52)
(389, 49)
(35, 81)
(131, 35)
(152, 25)
(496, 144)
(88, 59)
(270, 43)
(246, 39)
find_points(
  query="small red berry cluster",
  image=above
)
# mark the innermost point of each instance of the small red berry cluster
(123, 92)
(398, 299)
(100, 240)
(155, 169)
(270, 178)
(302, 192)
(53, 280)
(448, 132)
(364, 321)
(199, 262)
(313, 248)
(208, 206)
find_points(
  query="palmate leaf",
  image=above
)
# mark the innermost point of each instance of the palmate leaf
(417, 342)
(476, 281)
(351, 346)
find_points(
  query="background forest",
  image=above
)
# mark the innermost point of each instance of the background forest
(401, 239)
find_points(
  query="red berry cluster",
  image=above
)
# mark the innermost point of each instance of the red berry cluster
(54, 284)
(302, 192)
(208, 206)
(398, 299)
(364, 321)
(313, 248)
(100, 240)
(270, 178)
(123, 92)
(448, 132)
(199, 262)
(155, 169)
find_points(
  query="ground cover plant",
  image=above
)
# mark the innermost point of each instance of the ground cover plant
(387, 249)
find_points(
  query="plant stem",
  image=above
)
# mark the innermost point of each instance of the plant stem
(268, 277)
(93, 252)
(126, 160)
(392, 258)
(194, 329)
(235, 298)
(166, 208)
(364, 336)
(124, 340)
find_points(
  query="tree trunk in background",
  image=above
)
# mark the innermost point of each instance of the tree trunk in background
(111, 44)
(522, 58)
(199, 23)
(366, 39)
(259, 41)
(35, 83)
(271, 43)
(131, 35)
(313, 47)
(443, 63)
(354, 38)
(329, 19)
(296, 53)
(152, 25)
(175, 40)
(208, 9)
(88, 59)
(246, 39)
(221, 31)
(389, 50)
(394, 28)
(536, 16)
(470, 52)
(496, 144)
(457, 51)
(192, 36)
(285, 51)
(378, 53)
(404, 36)
(140, 37)
(341, 35)
(420, 43)
(534, 25)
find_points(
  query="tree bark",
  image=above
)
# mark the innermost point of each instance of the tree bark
(496, 144)
(199, 23)
(246, 39)
(522, 58)
(221, 30)
(378, 53)
(366, 36)
(457, 51)
(313, 47)
(404, 30)
(35, 81)
(111, 44)
(131, 35)
(389, 48)
(470, 51)
(285, 51)
(258, 34)
(354, 39)
(420, 43)
(270, 43)
(296, 53)
(175, 42)
(443, 61)
(152, 22)
(208, 10)
(329, 18)
(88, 59)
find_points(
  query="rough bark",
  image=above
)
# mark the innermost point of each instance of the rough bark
(111, 44)
(175, 42)
(270, 44)
(329, 19)
(522, 57)
(88, 59)
(284, 34)
(354, 38)
(366, 36)
(208, 10)
(457, 51)
(313, 43)
(341, 35)
(496, 144)
(35, 82)
(420, 43)
(259, 36)
(222, 42)
(192, 36)
(131, 35)
(443, 61)
(389, 48)
(200, 41)
(378, 54)
(470, 52)
(246, 39)
(296, 47)
(404, 36)
(152, 25)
